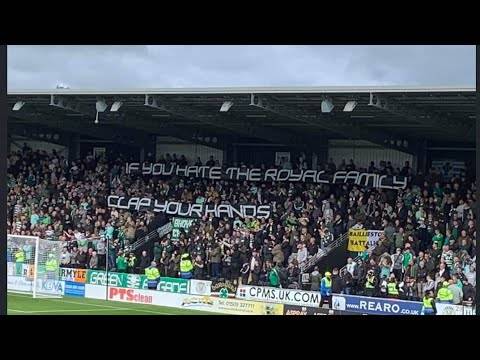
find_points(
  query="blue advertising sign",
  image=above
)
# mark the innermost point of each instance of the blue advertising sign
(375, 306)
(74, 289)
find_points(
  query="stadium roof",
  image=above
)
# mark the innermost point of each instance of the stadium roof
(398, 117)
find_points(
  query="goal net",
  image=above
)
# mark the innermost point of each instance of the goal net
(32, 266)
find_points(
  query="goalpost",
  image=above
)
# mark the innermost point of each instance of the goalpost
(33, 266)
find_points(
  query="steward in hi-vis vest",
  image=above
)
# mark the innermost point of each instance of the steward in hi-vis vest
(445, 295)
(153, 276)
(186, 267)
(429, 304)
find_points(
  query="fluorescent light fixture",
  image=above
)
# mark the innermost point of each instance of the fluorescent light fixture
(256, 116)
(226, 106)
(96, 118)
(101, 106)
(160, 115)
(349, 106)
(327, 106)
(18, 105)
(116, 105)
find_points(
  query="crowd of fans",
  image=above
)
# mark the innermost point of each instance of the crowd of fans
(428, 243)
(429, 228)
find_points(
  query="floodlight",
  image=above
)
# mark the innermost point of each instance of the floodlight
(226, 106)
(327, 106)
(116, 105)
(18, 105)
(101, 106)
(349, 106)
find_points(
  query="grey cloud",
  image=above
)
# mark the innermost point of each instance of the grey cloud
(105, 67)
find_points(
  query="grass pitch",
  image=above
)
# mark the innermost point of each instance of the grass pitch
(24, 304)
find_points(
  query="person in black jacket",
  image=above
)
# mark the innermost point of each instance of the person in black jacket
(144, 262)
(337, 282)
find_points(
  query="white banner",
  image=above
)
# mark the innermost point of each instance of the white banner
(257, 174)
(19, 283)
(194, 302)
(282, 296)
(44, 286)
(187, 209)
(51, 287)
(95, 291)
(200, 287)
(10, 268)
(449, 309)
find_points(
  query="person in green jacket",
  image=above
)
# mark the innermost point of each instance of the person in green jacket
(438, 238)
(407, 256)
(121, 263)
(274, 277)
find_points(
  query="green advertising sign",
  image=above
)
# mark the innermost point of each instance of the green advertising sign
(136, 281)
(174, 285)
(96, 277)
(132, 281)
(179, 224)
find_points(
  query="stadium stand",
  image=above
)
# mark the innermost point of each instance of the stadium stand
(428, 238)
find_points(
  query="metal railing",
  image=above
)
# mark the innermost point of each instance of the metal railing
(321, 253)
(153, 235)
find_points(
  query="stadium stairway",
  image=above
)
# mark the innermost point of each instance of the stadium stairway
(321, 255)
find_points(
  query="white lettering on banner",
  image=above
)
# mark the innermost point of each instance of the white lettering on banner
(100, 278)
(175, 287)
(190, 210)
(257, 174)
(282, 296)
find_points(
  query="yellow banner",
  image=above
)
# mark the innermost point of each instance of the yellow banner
(357, 240)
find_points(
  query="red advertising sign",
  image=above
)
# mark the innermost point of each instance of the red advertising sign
(129, 295)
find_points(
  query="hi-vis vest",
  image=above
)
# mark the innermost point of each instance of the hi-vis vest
(152, 273)
(392, 288)
(445, 294)
(51, 265)
(186, 266)
(328, 282)
(369, 284)
(20, 256)
(427, 303)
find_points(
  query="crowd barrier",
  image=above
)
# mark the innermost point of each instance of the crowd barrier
(198, 295)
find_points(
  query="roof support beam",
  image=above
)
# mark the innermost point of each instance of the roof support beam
(66, 103)
(326, 122)
(131, 137)
(391, 106)
(249, 129)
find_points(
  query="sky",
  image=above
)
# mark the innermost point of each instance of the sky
(166, 66)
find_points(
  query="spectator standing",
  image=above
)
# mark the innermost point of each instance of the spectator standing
(215, 259)
(121, 263)
(315, 278)
(93, 263)
(144, 261)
